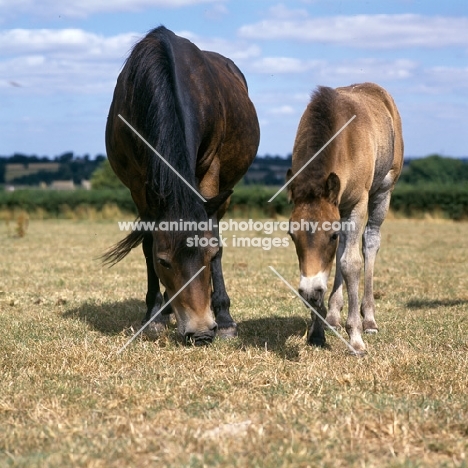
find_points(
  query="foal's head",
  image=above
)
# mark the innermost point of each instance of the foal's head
(314, 229)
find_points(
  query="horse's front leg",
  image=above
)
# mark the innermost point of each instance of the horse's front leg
(154, 298)
(350, 264)
(220, 301)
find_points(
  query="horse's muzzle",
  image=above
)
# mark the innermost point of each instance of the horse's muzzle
(200, 338)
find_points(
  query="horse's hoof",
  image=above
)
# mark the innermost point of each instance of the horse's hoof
(225, 333)
(316, 341)
(371, 331)
(154, 330)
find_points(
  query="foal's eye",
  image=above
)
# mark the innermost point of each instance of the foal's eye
(334, 236)
(164, 263)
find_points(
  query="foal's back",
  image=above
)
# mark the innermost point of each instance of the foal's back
(374, 138)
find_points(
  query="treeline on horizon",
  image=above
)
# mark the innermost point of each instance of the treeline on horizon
(265, 170)
(436, 185)
(70, 167)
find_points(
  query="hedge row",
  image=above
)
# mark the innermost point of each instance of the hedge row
(53, 201)
(450, 201)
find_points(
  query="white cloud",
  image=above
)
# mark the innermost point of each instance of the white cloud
(369, 69)
(84, 8)
(236, 51)
(440, 80)
(365, 31)
(280, 65)
(282, 110)
(63, 42)
(217, 11)
(47, 61)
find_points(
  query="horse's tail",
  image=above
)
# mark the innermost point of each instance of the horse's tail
(120, 250)
(158, 114)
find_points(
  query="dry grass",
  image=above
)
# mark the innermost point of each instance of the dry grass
(265, 399)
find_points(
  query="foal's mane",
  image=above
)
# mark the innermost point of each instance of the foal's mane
(319, 129)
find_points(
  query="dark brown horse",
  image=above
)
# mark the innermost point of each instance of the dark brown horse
(193, 108)
(346, 190)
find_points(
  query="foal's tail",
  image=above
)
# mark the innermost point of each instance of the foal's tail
(120, 250)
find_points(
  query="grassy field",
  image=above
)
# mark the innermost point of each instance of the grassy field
(265, 399)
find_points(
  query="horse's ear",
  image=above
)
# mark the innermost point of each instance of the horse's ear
(213, 204)
(332, 188)
(288, 176)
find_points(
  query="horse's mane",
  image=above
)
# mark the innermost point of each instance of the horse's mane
(320, 127)
(157, 113)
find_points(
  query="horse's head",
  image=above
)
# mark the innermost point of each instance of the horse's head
(178, 255)
(314, 229)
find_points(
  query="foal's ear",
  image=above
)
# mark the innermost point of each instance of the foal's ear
(213, 204)
(288, 176)
(332, 188)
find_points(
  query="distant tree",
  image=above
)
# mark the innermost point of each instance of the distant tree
(436, 169)
(65, 157)
(104, 177)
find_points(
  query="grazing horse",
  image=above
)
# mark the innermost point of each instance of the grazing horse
(193, 108)
(346, 190)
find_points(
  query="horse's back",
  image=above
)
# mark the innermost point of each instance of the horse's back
(191, 106)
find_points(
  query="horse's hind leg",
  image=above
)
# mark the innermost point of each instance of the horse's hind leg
(154, 297)
(378, 207)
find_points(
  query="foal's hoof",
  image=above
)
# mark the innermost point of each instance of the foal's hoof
(358, 353)
(371, 331)
(154, 330)
(225, 333)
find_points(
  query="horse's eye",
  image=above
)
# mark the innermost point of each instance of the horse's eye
(164, 263)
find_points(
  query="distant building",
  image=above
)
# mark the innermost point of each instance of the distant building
(62, 185)
(16, 170)
(268, 170)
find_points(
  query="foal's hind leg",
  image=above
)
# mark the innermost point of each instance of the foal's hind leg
(154, 297)
(378, 207)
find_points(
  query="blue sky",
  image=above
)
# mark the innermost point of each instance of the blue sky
(59, 62)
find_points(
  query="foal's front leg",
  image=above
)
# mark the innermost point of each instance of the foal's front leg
(350, 265)
(335, 303)
(154, 298)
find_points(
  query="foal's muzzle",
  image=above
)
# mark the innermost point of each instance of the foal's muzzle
(314, 297)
